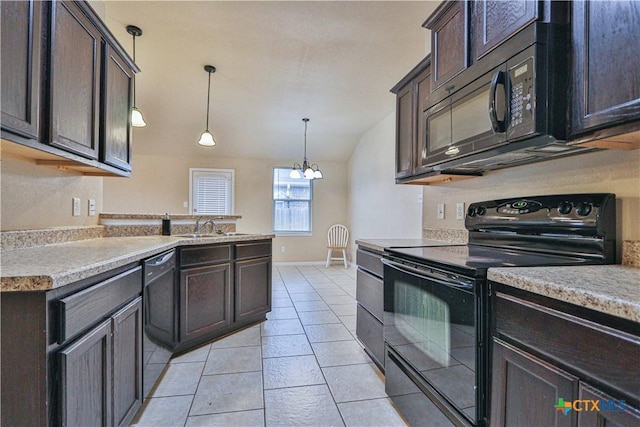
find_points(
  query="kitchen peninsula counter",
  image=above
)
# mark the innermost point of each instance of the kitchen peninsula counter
(610, 289)
(43, 268)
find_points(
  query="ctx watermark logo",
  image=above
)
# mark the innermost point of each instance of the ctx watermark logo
(589, 405)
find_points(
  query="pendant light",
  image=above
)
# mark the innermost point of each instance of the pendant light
(307, 170)
(206, 138)
(136, 116)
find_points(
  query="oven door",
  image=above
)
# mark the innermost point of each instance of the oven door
(431, 324)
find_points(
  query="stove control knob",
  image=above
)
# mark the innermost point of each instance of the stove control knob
(471, 212)
(482, 210)
(583, 208)
(564, 208)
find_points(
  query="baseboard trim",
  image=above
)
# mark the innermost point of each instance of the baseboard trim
(295, 263)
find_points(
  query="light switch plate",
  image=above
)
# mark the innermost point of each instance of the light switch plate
(92, 207)
(440, 210)
(76, 206)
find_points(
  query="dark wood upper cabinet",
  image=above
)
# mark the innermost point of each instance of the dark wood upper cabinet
(115, 135)
(21, 73)
(494, 21)
(449, 41)
(411, 93)
(66, 88)
(606, 81)
(76, 53)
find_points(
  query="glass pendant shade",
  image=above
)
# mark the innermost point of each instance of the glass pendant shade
(136, 118)
(206, 139)
(317, 174)
(295, 173)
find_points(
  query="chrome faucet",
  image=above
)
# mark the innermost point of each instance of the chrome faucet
(199, 226)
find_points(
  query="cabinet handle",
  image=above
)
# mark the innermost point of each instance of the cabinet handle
(499, 126)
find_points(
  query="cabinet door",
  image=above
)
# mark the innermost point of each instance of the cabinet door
(127, 362)
(205, 300)
(608, 416)
(606, 86)
(253, 288)
(494, 21)
(76, 54)
(115, 136)
(404, 132)
(525, 389)
(422, 87)
(85, 369)
(20, 66)
(449, 42)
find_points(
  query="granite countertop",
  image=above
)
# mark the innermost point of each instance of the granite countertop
(611, 289)
(52, 266)
(380, 244)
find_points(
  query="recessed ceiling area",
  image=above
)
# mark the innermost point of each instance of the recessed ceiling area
(277, 62)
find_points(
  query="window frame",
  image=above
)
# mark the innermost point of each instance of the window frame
(231, 201)
(273, 208)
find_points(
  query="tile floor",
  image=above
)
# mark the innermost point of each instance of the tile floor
(303, 366)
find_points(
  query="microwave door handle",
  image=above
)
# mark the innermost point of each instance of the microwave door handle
(499, 126)
(422, 274)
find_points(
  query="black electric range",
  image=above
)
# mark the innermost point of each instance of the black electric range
(437, 299)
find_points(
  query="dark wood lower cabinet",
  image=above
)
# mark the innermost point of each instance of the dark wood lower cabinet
(86, 373)
(252, 288)
(525, 390)
(610, 414)
(127, 362)
(101, 372)
(205, 300)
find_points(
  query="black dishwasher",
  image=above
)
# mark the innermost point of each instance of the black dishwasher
(159, 316)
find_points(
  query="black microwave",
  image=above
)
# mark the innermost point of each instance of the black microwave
(513, 113)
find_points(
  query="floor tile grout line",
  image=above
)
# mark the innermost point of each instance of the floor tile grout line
(197, 386)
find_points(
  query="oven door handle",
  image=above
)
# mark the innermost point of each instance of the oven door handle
(441, 279)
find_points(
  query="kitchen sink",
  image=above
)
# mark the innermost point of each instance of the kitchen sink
(208, 235)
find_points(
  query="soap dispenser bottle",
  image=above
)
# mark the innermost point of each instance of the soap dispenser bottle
(166, 225)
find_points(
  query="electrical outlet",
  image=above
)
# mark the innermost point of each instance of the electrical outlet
(76, 206)
(440, 210)
(459, 210)
(283, 249)
(92, 207)
(185, 205)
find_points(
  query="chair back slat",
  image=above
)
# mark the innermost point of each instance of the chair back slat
(338, 236)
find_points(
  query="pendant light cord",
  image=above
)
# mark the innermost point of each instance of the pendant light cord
(134, 74)
(305, 138)
(208, 97)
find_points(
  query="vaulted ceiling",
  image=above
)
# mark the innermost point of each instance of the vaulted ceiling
(277, 62)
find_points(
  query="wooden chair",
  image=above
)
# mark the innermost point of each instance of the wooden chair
(338, 238)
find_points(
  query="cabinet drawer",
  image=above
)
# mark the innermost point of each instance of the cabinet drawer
(369, 261)
(202, 255)
(579, 345)
(369, 332)
(253, 250)
(369, 293)
(82, 310)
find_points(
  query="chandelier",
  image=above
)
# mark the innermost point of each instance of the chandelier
(306, 170)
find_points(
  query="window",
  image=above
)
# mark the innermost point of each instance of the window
(211, 191)
(291, 203)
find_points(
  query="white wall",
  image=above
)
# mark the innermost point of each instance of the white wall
(160, 184)
(378, 208)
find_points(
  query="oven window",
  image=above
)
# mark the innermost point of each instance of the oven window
(432, 327)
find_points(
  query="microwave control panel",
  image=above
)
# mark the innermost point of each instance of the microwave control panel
(522, 97)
